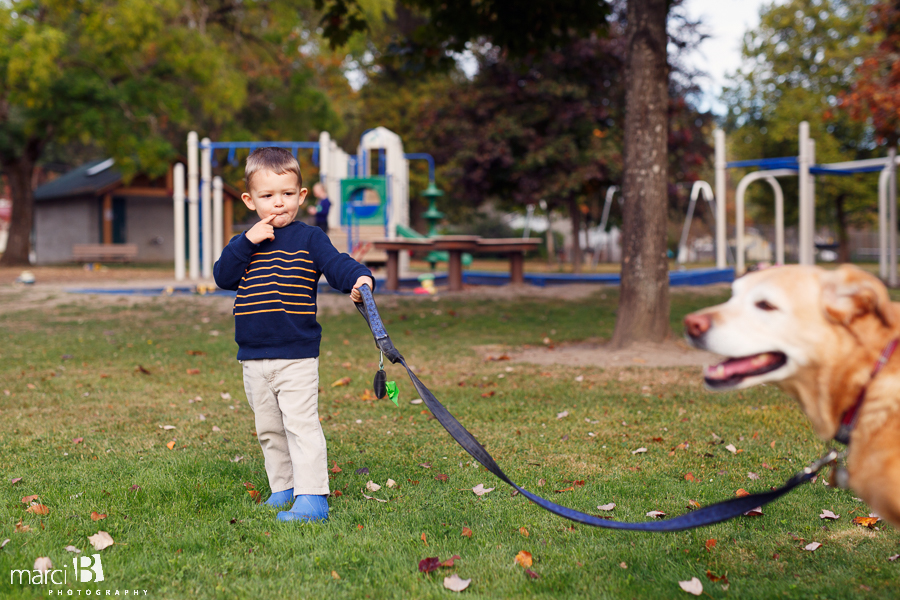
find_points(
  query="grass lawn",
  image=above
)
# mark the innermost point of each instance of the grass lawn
(87, 387)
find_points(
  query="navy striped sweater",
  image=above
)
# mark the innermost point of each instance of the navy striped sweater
(276, 281)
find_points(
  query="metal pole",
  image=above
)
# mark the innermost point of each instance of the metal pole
(779, 220)
(739, 232)
(178, 208)
(193, 173)
(884, 179)
(892, 206)
(218, 219)
(721, 241)
(206, 206)
(803, 174)
(811, 200)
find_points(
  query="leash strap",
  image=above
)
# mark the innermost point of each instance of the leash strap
(848, 422)
(701, 517)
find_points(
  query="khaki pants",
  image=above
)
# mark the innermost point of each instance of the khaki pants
(284, 396)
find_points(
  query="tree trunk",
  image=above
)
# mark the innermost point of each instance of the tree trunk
(575, 218)
(643, 314)
(19, 173)
(842, 233)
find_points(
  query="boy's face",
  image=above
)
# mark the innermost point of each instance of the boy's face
(274, 194)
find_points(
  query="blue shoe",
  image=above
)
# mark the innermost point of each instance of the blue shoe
(306, 507)
(280, 499)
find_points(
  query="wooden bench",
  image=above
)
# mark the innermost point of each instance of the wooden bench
(104, 252)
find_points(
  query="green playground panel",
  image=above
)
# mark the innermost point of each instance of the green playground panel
(366, 214)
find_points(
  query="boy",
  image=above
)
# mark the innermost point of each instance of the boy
(323, 207)
(275, 267)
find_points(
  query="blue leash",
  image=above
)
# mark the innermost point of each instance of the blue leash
(715, 513)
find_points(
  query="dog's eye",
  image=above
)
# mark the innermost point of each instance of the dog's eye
(764, 305)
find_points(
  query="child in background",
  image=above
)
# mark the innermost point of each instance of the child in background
(275, 268)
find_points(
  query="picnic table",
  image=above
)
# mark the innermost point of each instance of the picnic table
(455, 246)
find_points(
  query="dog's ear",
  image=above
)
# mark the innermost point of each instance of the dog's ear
(849, 293)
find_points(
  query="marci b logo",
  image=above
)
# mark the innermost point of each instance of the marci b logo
(88, 569)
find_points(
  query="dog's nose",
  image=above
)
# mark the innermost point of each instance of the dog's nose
(697, 324)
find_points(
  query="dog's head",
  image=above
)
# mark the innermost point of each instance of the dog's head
(798, 327)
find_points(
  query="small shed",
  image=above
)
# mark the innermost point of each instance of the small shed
(93, 205)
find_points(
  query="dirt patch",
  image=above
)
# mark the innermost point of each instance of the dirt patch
(671, 353)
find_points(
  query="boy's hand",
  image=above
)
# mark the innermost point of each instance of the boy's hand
(355, 295)
(261, 231)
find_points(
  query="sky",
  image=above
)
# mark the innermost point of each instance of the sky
(725, 21)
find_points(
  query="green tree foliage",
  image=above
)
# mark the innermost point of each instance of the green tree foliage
(798, 62)
(135, 76)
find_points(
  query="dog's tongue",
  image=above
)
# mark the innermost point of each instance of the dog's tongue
(739, 366)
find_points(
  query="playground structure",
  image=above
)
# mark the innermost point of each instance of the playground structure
(369, 194)
(804, 166)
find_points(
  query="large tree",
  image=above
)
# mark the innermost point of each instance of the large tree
(643, 313)
(133, 77)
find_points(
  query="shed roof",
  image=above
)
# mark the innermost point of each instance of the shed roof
(88, 179)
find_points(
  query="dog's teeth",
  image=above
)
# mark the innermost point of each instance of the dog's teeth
(720, 370)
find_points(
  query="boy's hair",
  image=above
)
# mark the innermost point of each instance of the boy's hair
(277, 160)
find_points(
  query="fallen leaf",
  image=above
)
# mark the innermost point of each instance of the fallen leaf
(95, 516)
(340, 382)
(542, 482)
(609, 506)
(416, 401)
(732, 449)
(372, 486)
(623, 565)
(480, 490)
(455, 583)
(196, 352)
(488, 394)
(568, 489)
(373, 498)
(754, 512)
(694, 586)
(216, 429)
(362, 471)
(716, 578)
(335, 575)
(449, 561)
(693, 504)
(237, 458)
(741, 493)
(101, 540)
(171, 445)
(6, 541)
(424, 540)
(425, 465)
(690, 477)
(249, 485)
(639, 451)
(466, 532)
(30, 499)
(338, 493)
(531, 574)
(390, 483)
(523, 531)
(72, 549)
(753, 476)
(812, 547)
(193, 371)
(523, 558)
(890, 558)
(15, 480)
(78, 440)
(710, 544)
(167, 427)
(562, 415)
(43, 564)
(335, 469)
(866, 521)
(255, 495)
(827, 514)
(427, 565)
(656, 513)
(441, 477)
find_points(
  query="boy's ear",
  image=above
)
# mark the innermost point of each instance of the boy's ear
(302, 196)
(248, 201)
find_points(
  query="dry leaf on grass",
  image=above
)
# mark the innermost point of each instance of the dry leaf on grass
(101, 540)
(390, 483)
(335, 575)
(95, 516)
(30, 499)
(480, 490)
(335, 469)
(733, 450)
(171, 445)
(4, 542)
(373, 498)
(424, 539)
(15, 480)
(372, 486)
(466, 532)
(21, 528)
(658, 514)
(866, 521)
(639, 451)
(255, 495)
(449, 562)
(43, 564)
(524, 559)
(609, 506)
(72, 549)
(827, 514)
(523, 531)
(710, 544)
(812, 546)
(427, 565)
(455, 583)
(754, 512)
(167, 427)
(694, 586)
(562, 415)
(38, 509)
(340, 382)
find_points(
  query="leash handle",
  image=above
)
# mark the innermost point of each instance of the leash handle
(372, 315)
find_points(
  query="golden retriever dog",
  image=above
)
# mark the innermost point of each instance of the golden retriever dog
(818, 335)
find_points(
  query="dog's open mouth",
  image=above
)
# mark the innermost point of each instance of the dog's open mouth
(734, 370)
